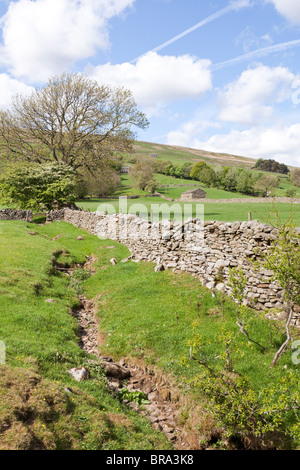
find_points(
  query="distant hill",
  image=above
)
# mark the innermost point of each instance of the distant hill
(179, 155)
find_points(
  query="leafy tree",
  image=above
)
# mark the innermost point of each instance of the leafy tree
(230, 178)
(271, 165)
(183, 171)
(295, 177)
(266, 183)
(72, 120)
(101, 183)
(186, 170)
(37, 186)
(161, 166)
(196, 170)
(245, 182)
(238, 408)
(203, 173)
(170, 170)
(143, 172)
(219, 172)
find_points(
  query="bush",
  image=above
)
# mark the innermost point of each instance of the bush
(37, 186)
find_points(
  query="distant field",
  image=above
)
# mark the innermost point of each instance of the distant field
(169, 186)
(263, 212)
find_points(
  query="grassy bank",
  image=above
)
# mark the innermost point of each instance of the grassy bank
(41, 406)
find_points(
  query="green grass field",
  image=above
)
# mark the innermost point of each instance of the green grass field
(143, 315)
(226, 212)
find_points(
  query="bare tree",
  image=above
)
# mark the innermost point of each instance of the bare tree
(72, 120)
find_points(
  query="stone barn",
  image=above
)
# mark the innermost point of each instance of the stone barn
(197, 193)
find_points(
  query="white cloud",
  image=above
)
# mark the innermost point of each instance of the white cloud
(157, 80)
(10, 87)
(45, 37)
(188, 132)
(250, 99)
(279, 142)
(288, 8)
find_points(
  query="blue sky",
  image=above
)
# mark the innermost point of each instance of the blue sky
(210, 74)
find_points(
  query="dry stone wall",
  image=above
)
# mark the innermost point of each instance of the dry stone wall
(205, 250)
(14, 214)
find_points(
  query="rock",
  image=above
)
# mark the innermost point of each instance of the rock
(159, 268)
(113, 261)
(134, 406)
(153, 419)
(210, 285)
(170, 435)
(57, 237)
(126, 259)
(168, 430)
(106, 359)
(79, 373)
(220, 264)
(153, 396)
(80, 238)
(166, 235)
(165, 394)
(51, 301)
(220, 287)
(115, 383)
(116, 371)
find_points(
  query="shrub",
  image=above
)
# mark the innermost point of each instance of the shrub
(37, 186)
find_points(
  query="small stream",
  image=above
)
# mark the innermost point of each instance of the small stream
(163, 408)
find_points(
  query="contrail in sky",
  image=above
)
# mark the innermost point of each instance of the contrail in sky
(234, 5)
(257, 53)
